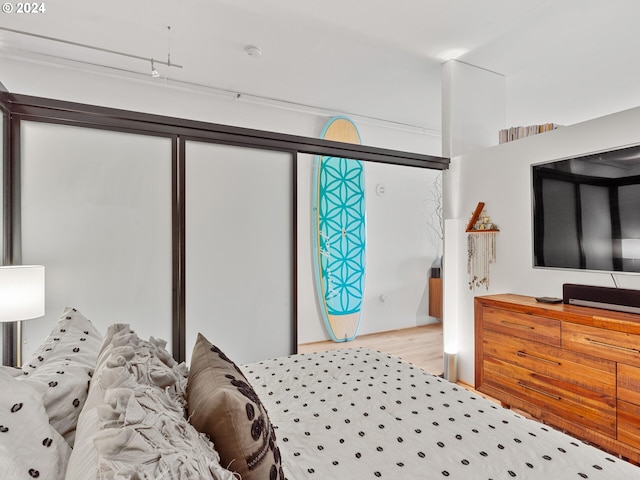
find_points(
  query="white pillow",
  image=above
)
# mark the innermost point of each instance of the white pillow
(29, 447)
(61, 369)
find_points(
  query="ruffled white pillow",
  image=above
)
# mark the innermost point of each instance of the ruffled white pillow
(133, 424)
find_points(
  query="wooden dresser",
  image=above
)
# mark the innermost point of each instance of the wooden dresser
(575, 368)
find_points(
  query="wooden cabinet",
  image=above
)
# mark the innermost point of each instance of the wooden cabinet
(576, 368)
(435, 297)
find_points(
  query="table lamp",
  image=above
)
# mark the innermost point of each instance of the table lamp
(631, 248)
(21, 298)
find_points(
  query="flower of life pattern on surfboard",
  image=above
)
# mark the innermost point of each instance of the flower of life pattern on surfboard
(340, 236)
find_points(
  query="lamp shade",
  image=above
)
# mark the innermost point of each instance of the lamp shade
(21, 292)
(631, 248)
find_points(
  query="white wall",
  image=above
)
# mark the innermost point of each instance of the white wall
(399, 252)
(473, 107)
(501, 177)
(153, 96)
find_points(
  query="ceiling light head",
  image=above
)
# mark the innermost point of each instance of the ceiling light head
(452, 54)
(253, 51)
(154, 72)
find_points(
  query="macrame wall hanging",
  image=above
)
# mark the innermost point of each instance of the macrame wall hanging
(481, 247)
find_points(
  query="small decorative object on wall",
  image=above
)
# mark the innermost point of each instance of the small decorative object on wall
(481, 247)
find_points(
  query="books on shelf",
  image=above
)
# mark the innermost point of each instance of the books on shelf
(514, 133)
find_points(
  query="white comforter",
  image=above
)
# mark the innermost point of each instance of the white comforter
(361, 414)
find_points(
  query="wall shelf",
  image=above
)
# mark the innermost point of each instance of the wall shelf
(481, 249)
(474, 219)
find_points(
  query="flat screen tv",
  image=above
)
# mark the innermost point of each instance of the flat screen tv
(586, 212)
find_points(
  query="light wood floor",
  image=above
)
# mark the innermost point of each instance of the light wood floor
(422, 346)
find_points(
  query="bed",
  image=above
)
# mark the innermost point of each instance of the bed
(114, 406)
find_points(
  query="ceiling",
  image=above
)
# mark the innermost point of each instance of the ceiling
(565, 61)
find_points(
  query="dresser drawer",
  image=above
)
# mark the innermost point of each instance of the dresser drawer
(582, 370)
(571, 402)
(522, 325)
(629, 423)
(629, 383)
(610, 344)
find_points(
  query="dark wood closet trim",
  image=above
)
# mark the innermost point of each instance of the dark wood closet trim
(32, 108)
(9, 209)
(178, 226)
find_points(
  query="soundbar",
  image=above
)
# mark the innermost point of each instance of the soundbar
(618, 299)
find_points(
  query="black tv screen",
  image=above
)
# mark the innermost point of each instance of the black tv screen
(586, 212)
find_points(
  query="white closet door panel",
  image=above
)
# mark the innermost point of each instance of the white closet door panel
(96, 211)
(239, 282)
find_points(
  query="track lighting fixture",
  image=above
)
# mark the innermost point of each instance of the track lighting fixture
(154, 72)
(168, 63)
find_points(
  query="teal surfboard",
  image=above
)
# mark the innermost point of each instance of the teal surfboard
(339, 234)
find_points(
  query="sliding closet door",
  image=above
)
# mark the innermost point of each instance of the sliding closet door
(239, 250)
(96, 211)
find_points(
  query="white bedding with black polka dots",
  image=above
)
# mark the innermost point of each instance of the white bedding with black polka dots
(360, 414)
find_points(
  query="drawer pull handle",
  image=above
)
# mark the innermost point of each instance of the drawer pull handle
(520, 353)
(517, 325)
(537, 390)
(609, 345)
